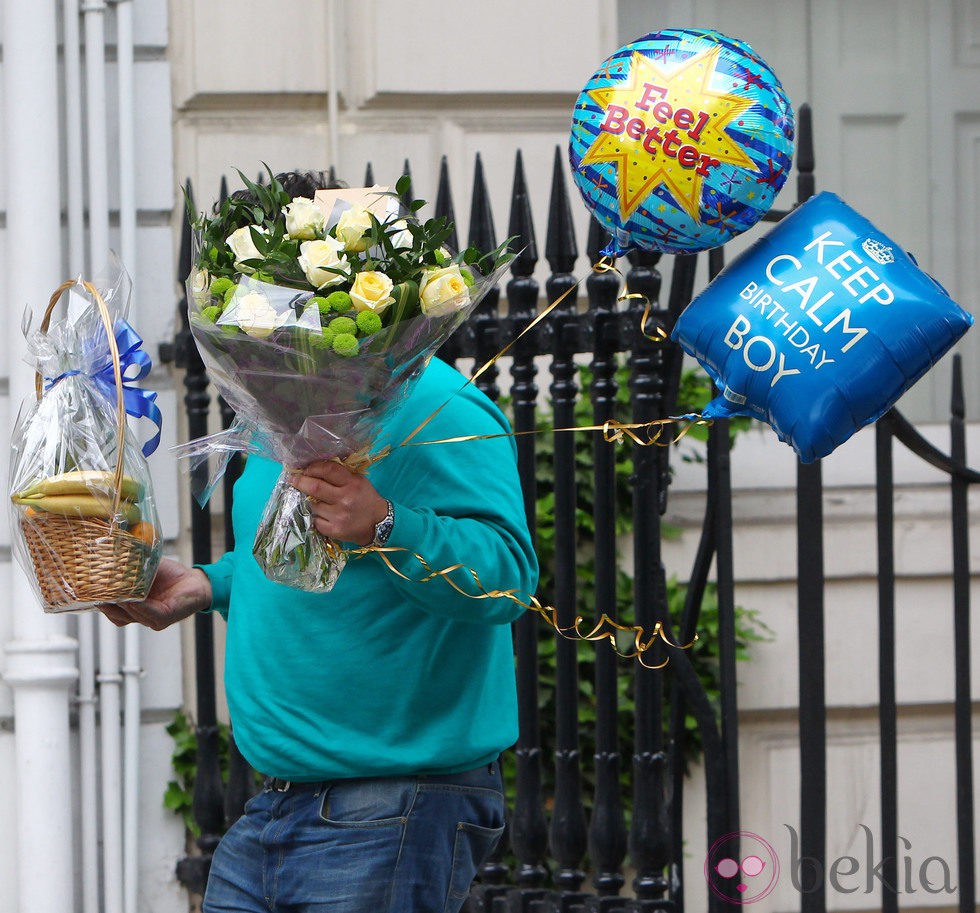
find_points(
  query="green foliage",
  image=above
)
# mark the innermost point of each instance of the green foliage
(179, 795)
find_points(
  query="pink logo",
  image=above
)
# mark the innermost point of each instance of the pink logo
(741, 868)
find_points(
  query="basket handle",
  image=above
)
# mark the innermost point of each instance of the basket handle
(116, 370)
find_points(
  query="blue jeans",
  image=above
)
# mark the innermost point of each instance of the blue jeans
(385, 845)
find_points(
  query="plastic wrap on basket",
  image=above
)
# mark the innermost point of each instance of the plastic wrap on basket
(85, 524)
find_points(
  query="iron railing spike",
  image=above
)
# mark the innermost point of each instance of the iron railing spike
(521, 226)
(444, 202)
(561, 251)
(482, 235)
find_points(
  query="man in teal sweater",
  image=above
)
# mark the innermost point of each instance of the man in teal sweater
(377, 710)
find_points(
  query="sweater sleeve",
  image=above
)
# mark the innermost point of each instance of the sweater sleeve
(220, 574)
(460, 505)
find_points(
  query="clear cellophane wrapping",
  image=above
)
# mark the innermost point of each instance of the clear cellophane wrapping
(85, 525)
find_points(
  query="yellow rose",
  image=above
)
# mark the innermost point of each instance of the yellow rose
(352, 226)
(443, 291)
(371, 291)
(318, 259)
(304, 219)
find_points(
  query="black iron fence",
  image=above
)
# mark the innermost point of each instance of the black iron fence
(569, 846)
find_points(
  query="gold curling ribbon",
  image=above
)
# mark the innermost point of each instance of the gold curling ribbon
(605, 265)
(604, 629)
(613, 432)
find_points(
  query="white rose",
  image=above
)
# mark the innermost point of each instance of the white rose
(443, 291)
(402, 238)
(201, 288)
(318, 258)
(352, 225)
(243, 247)
(255, 315)
(304, 219)
(371, 291)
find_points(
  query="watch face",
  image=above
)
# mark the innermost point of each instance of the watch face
(382, 530)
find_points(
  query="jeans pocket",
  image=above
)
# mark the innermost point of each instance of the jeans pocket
(382, 802)
(472, 848)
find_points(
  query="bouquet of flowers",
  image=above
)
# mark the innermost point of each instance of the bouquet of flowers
(314, 314)
(85, 525)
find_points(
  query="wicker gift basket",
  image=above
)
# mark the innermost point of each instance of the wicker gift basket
(88, 526)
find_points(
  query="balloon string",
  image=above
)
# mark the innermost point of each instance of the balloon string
(612, 432)
(606, 265)
(604, 629)
(603, 265)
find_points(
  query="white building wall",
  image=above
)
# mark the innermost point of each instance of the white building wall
(894, 88)
(161, 835)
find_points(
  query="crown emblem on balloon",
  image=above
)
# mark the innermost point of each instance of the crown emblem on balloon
(881, 253)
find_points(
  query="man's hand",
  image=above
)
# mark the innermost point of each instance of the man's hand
(345, 504)
(177, 593)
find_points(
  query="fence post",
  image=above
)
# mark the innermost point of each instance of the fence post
(568, 826)
(529, 833)
(649, 844)
(208, 804)
(607, 827)
(961, 648)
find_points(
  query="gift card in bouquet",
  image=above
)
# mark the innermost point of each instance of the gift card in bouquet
(85, 525)
(376, 199)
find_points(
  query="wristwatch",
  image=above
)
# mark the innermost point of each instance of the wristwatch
(382, 529)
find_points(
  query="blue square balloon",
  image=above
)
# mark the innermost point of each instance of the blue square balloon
(819, 327)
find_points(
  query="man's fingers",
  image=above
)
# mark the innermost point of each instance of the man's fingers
(115, 614)
(328, 471)
(323, 490)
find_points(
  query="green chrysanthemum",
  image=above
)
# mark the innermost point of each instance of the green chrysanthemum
(342, 325)
(368, 322)
(220, 287)
(211, 314)
(345, 344)
(324, 340)
(339, 301)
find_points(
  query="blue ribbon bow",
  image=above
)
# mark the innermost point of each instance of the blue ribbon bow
(138, 403)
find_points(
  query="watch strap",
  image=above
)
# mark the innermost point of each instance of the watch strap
(382, 529)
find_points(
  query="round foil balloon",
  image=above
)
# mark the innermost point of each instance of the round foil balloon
(680, 141)
(819, 327)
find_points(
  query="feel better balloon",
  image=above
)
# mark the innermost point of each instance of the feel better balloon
(680, 141)
(819, 327)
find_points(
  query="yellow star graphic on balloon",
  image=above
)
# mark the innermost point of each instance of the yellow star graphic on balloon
(684, 86)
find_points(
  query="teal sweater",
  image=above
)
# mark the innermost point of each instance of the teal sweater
(383, 676)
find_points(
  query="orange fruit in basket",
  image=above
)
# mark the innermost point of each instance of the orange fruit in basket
(144, 531)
